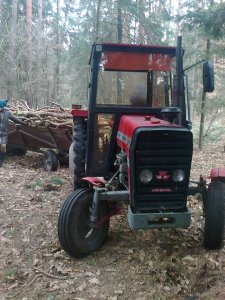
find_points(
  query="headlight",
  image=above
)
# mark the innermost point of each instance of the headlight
(146, 176)
(178, 175)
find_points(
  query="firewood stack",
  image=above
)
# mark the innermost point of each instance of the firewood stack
(49, 116)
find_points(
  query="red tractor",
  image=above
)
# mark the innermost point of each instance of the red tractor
(134, 144)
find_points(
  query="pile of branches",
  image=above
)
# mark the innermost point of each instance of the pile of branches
(49, 116)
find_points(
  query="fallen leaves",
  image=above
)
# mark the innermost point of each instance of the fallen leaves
(94, 281)
(81, 287)
(190, 261)
(167, 264)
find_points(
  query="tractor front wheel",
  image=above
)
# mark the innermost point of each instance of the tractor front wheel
(214, 210)
(76, 235)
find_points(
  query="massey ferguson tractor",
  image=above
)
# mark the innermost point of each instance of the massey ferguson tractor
(134, 144)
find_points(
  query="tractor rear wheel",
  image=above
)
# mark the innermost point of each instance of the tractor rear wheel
(214, 209)
(77, 237)
(77, 152)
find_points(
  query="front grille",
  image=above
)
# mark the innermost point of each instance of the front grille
(161, 150)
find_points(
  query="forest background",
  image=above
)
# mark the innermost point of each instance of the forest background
(45, 47)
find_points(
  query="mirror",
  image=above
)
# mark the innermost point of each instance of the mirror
(208, 77)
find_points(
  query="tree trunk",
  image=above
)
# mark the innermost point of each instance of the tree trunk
(202, 118)
(39, 81)
(97, 20)
(178, 29)
(141, 31)
(168, 23)
(203, 104)
(11, 58)
(1, 9)
(119, 40)
(29, 54)
(40, 11)
(119, 22)
(29, 17)
(55, 92)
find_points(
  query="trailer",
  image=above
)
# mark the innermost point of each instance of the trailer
(54, 143)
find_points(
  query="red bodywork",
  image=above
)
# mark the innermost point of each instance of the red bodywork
(136, 61)
(96, 181)
(217, 173)
(77, 112)
(127, 127)
(128, 124)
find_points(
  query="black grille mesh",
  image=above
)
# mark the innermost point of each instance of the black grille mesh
(162, 150)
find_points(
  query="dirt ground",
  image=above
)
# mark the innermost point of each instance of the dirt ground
(157, 264)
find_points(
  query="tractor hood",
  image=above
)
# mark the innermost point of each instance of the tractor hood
(128, 125)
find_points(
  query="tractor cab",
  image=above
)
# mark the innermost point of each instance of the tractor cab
(130, 80)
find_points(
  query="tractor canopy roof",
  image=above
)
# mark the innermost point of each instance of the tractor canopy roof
(130, 57)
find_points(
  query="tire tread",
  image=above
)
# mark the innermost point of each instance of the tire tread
(214, 215)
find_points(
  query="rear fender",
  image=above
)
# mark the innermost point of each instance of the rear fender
(217, 174)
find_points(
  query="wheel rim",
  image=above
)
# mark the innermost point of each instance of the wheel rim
(86, 232)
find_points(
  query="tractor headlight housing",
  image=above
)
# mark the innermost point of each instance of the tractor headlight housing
(178, 175)
(146, 176)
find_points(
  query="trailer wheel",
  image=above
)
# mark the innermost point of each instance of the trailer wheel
(214, 215)
(50, 160)
(76, 235)
(77, 152)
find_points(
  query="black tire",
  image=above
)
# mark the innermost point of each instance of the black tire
(50, 160)
(76, 236)
(214, 209)
(77, 152)
(63, 159)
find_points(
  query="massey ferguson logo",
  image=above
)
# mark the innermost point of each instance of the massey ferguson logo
(162, 176)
